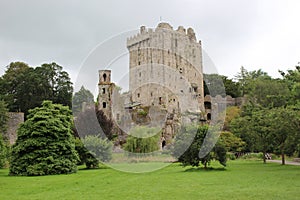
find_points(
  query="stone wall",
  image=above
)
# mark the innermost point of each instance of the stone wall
(14, 120)
(215, 105)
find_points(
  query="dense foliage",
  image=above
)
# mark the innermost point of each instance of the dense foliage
(269, 121)
(45, 144)
(3, 120)
(3, 117)
(2, 152)
(24, 87)
(191, 154)
(215, 84)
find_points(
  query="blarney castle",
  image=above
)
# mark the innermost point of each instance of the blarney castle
(165, 83)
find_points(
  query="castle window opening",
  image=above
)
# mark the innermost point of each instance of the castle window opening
(138, 95)
(104, 105)
(208, 116)
(160, 100)
(151, 94)
(104, 77)
(103, 90)
(140, 74)
(207, 105)
(180, 70)
(139, 63)
(163, 144)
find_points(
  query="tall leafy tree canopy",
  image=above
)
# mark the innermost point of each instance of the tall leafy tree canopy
(23, 87)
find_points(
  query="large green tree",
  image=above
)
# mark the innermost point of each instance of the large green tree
(45, 144)
(285, 127)
(246, 78)
(10, 83)
(57, 83)
(292, 79)
(191, 139)
(23, 87)
(269, 93)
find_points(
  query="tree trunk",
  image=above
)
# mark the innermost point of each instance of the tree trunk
(282, 158)
(282, 155)
(264, 157)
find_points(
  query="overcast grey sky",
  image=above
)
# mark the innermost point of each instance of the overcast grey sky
(251, 33)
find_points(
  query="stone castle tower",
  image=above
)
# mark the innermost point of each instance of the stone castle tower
(165, 82)
(166, 68)
(106, 88)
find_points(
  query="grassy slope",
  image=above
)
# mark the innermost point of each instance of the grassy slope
(240, 180)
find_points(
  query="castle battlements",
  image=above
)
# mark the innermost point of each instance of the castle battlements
(145, 33)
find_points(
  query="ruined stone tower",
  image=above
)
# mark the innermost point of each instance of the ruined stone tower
(105, 92)
(165, 68)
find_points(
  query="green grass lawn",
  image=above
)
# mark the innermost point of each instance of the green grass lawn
(240, 180)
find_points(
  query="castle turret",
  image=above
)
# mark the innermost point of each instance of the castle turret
(105, 92)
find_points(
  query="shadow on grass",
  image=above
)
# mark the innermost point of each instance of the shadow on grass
(100, 167)
(202, 169)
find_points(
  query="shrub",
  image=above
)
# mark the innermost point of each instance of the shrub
(98, 147)
(45, 144)
(230, 156)
(85, 156)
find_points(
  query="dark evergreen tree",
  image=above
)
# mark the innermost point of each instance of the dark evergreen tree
(45, 144)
